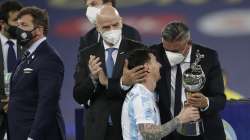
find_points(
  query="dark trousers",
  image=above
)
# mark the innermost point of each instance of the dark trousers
(111, 134)
(3, 126)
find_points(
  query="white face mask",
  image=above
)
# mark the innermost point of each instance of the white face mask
(92, 12)
(112, 36)
(175, 58)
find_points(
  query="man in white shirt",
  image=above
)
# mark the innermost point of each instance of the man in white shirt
(9, 54)
(140, 115)
(176, 53)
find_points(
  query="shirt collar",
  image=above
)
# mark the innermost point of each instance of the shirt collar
(106, 46)
(143, 90)
(34, 46)
(4, 40)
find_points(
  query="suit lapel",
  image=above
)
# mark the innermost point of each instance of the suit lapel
(20, 51)
(100, 52)
(193, 51)
(1, 58)
(27, 63)
(165, 75)
(1, 70)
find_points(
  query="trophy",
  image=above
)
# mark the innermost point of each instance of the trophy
(193, 80)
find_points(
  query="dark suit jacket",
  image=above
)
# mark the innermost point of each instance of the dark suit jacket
(100, 101)
(34, 99)
(213, 89)
(91, 37)
(2, 90)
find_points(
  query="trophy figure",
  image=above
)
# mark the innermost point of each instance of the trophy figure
(193, 80)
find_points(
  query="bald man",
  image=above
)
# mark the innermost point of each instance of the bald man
(98, 76)
(92, 36)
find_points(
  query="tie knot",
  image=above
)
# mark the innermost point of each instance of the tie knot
(10, 43)
(26, 54)
(110, 50)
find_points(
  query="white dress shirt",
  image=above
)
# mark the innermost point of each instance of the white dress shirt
(5, 47)
(34, 46)
(184, 66)
(114, 53)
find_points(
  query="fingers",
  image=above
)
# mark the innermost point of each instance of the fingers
(138, 69)
(5, 100)
(125, 66)
(94, 64)
(93, 60)
(196, 95)
(138, 74)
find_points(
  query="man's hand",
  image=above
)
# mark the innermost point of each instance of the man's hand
(5, 102)
(188, 114)
(135, 75)
(94, 66)
(197, 100)
(103, 78)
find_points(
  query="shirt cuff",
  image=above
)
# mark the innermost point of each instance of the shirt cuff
(207, 105)
(123, 86)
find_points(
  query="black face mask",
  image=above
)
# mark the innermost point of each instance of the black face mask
(12, 31)
(23, 37)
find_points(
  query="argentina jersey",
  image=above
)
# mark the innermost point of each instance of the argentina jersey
(138, 107)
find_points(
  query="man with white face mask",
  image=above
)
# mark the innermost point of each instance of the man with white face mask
(176, 53)
(93, 37)
(98, 76)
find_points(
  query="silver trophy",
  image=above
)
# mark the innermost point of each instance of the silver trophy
(193, 80)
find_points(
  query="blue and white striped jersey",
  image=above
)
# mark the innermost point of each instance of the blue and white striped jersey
(138, 107)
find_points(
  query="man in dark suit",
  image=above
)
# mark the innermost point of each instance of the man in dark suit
(176, 53)
(92, 36)
(98, 75)
(34, 112)
(9, 54)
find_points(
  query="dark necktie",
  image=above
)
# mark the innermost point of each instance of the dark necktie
(178, 91)
(110, 62)
(11, 58)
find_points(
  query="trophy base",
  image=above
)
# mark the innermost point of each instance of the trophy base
(191, 129)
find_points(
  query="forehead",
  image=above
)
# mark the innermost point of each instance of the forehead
(176, 43)
(13, 15)
(25, 19)
(108, 20)
(93, 1)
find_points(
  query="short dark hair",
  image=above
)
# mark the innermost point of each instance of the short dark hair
(40, 17)
(7, 7)
(175, 31)
(112, 1)
(138, 57)
(105, 1)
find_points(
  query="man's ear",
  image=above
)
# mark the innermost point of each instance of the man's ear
(38, 31)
